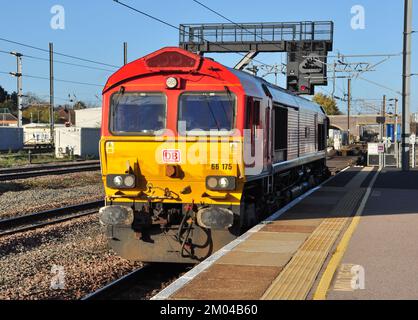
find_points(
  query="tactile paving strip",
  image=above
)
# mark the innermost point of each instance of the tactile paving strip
(298, 277)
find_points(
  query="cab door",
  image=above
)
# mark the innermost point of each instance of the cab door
(256, 137)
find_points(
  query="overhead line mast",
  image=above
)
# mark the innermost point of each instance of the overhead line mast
(18, 76)
(51, 92)
(406, 85)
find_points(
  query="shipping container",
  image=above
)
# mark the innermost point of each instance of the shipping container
(36, 134)
(11, 139)
(88, 118)
(80, 142)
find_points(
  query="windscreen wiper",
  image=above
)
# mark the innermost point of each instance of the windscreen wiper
(121, 93)
(211, 111)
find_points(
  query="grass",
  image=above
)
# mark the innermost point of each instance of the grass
(21, 158)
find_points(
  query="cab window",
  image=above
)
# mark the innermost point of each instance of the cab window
(204, 112)
(138, 113)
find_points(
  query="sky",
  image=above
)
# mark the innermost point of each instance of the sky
(96, 30)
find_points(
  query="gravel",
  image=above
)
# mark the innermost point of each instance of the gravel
(31, 262)
(43, 193)
(77, 247)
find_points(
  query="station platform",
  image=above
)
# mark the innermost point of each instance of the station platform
(384, 245)
(282, 257)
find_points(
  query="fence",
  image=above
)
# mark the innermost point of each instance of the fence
(390, 155)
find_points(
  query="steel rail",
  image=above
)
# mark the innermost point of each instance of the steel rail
(139, 279)
(48, 166)
(24, 173)
(40, 219)
(116, 284)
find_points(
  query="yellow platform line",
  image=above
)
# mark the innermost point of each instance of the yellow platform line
(325, 282)
(299, 275)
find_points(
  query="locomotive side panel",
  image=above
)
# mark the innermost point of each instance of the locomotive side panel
(307, 132)
(293, 134)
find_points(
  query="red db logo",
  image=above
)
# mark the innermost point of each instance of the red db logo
(171, 156)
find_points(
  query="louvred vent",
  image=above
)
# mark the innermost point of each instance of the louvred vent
(171, 59)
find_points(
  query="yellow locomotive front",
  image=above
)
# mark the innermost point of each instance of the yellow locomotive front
(171, 156)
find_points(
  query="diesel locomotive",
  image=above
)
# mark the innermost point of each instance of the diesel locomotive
(194, 153)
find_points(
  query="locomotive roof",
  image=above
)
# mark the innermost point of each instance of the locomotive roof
(279, 95)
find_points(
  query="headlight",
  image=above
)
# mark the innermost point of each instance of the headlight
(212, 183)
(129, 181)
(221, 183)
(121, 181)
(172, 83)
(118, 181)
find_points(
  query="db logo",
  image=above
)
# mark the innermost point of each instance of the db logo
(171, 156)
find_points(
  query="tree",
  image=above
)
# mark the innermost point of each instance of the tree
(38, 114)
(9, 105)
(35, 109)
(32, 99)
(3, 95)
(80, 105)
(13, 97)
(328, 103)
(8, 101)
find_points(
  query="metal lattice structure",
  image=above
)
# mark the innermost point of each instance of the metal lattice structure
(261, 37)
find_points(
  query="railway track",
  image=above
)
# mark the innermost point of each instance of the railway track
(45, 218)
(337, 163)
(140, 284)
(44, 170)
